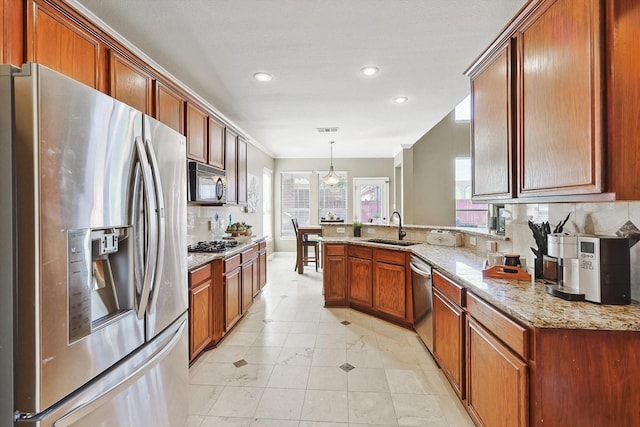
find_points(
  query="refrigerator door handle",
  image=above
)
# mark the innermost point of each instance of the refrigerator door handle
(151, 248)
(80, 412)
(160, 215)
(138, 252)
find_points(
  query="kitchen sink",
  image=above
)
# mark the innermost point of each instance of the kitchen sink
(392, 242)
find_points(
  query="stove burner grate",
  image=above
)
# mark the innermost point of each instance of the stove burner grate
(214, 246)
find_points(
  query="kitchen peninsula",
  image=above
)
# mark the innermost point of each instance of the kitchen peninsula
(221, 290)
(538, 357)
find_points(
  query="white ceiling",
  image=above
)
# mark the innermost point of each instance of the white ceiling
(315, 49)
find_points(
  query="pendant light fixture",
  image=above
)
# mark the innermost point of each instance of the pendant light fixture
(331, 178)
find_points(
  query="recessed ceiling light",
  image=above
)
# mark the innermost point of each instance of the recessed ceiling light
(400, 99)
(370, 70)
(263, 77)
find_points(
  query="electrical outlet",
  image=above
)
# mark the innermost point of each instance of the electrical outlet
(340, 230)
(472, 240)
(371, 230)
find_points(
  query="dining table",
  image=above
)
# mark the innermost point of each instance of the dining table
(303, 233)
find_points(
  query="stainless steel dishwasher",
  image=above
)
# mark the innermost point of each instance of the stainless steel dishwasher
(422, 301)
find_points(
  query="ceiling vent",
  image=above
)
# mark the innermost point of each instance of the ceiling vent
(327, 130)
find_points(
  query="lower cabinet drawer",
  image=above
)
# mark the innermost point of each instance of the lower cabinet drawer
(452, 290)
(511, 333)
(334, 250)
(199, 275)
(232, 263)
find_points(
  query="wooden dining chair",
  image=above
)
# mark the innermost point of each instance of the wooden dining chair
(306, 243)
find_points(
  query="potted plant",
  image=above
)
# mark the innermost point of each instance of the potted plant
(357, 227)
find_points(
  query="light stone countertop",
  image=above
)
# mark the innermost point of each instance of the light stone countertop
(197, 259)
(523, 300)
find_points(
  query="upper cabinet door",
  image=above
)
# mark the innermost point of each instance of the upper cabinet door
(241, 172)
(169, 107)
(231, 156)
(11, 30)
(623, 104)
(130, 83)
(216, 143)
(560, 90)
(196, 134)
(60, 44)
(491, 128)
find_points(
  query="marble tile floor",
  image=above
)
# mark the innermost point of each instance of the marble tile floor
(290, 362)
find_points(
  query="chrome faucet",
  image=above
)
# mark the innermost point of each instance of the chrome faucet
(401, 232)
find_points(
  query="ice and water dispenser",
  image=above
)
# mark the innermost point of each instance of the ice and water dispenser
(100, 275)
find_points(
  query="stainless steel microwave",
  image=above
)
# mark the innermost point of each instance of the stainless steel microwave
(207, 185)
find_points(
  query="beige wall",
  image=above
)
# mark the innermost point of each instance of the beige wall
(430, 200)
(370, 167)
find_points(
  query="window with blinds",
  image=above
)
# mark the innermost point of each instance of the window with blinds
(295, 188)
(332, 198)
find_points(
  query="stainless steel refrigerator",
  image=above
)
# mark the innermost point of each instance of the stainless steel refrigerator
(94, 292)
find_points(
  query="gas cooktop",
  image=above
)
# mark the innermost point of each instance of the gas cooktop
(214, 246)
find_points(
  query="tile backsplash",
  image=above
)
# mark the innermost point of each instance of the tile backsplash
(585, 218)
(198, 218)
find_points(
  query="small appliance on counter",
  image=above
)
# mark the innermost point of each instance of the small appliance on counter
(605, 275)
(444, 238)
(564, 248)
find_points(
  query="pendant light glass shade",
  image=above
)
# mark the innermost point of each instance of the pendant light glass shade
(331, 178)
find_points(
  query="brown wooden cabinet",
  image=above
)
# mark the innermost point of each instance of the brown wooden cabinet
(57, 42)
(369, 279)
(169, 106)
(497, 374)
(197, 121)
(497, 381)
(129, 83)
(449, 331)
(623, 98)
(249, 260)
(389, 283)
(236, 167)
(11, 30)
(334, 275)
(360, 276)
(232, 291)
(572, 76)
(560, 99)
(220, 293)
(491, 129)
(200, 310)
(585, 378)
(247, 286)
(216, 143)
(241, 171)
(230, 163)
